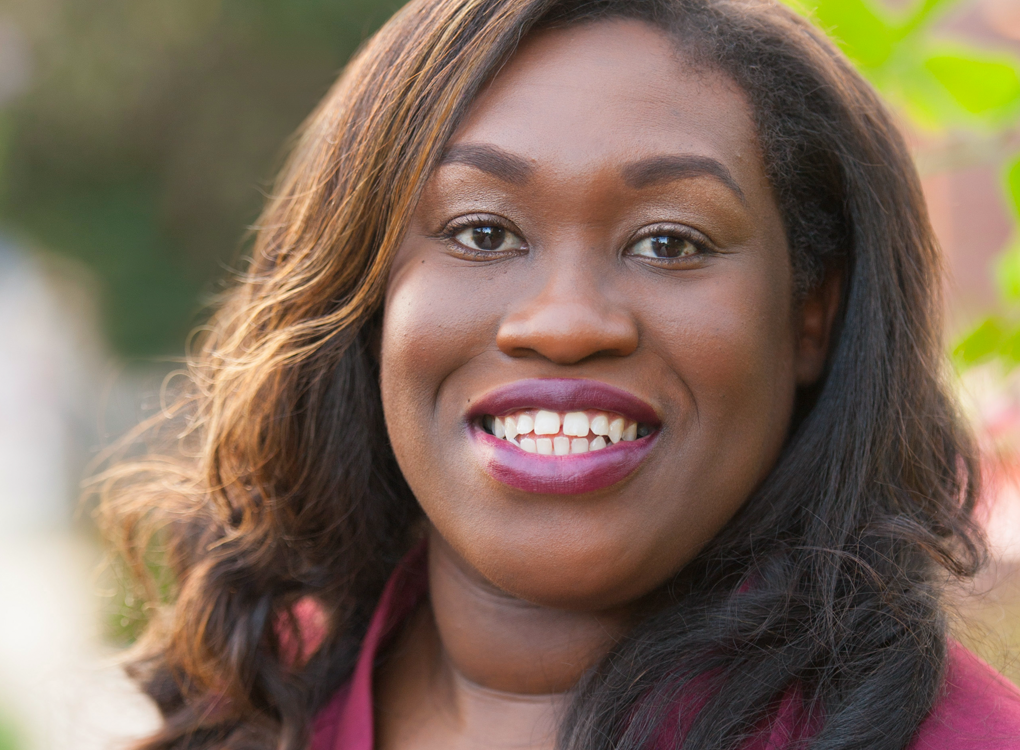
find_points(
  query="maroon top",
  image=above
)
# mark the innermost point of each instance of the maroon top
(978, 709)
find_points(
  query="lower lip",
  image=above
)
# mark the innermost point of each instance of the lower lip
(572, 474)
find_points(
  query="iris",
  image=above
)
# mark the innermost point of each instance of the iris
(488, 238)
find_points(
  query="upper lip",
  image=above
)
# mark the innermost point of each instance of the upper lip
(563, 395)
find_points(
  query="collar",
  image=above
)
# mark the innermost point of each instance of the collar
(346, 723)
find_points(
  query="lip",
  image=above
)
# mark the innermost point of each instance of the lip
(560, 475)
(562, 394)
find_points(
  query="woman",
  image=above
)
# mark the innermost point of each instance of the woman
(617, 322)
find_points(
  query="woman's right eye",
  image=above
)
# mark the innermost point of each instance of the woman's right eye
(489, 238)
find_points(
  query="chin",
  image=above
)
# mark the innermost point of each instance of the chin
(569, 568)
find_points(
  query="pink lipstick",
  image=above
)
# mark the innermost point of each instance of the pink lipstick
(561, 436)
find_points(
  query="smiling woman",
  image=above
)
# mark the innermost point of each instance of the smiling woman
(584, 391)
(643, 257)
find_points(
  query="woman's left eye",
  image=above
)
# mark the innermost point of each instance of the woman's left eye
(664, 247)
(489, 238)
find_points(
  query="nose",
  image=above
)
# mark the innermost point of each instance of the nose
(568, 320)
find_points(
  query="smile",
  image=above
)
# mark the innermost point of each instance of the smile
(561, 436)
(551, 433)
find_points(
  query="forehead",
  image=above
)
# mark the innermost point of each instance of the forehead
(584, 97)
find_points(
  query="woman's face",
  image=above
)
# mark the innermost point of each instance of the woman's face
(590, 348)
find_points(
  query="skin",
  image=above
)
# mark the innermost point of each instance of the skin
(527, 591)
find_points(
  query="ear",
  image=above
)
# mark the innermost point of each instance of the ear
(814, 327)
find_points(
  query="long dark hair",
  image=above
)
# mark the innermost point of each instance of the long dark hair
(826, 587)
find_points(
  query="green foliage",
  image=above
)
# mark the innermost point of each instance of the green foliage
(149, 291)
(1013, 185)
(936, 84)
(997, 337)
(862, 29)
(128, 607)
(10, 738)
(150, 133)
(941, 86)
(1007, 274)
(979, 86)
(981, 344)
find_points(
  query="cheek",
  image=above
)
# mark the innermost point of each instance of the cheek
(432, 326)
(734, 352)
(726, 345)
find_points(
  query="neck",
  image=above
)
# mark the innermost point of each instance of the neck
(499, 642)
(479, 658)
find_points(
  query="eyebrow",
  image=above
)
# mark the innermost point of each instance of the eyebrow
(640, 174)
(491, 160)
(658, 169)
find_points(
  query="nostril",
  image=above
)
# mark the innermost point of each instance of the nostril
(567, 334)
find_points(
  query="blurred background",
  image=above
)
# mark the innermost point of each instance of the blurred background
(137, 139)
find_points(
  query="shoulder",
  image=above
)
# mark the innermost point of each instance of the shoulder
(978, 710)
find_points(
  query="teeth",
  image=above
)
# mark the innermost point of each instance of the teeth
(540, 432)
(547, 423)
(575, 423)
(616, 429)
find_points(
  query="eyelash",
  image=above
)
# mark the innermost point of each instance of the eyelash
(700, 242)
(449, 233)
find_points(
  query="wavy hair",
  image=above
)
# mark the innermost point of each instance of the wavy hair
(276, 479)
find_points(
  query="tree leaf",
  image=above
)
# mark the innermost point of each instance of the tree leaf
(905, 81)
(924, 13)
(979, 86)
(856, 26)
(1013, 184)
(1007, 273)
(981, 343)
(1009, 349)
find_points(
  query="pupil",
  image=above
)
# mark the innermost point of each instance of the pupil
(667, 247)
(488, 238)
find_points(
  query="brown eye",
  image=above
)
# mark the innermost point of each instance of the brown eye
(489, 238)
(664, 246)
